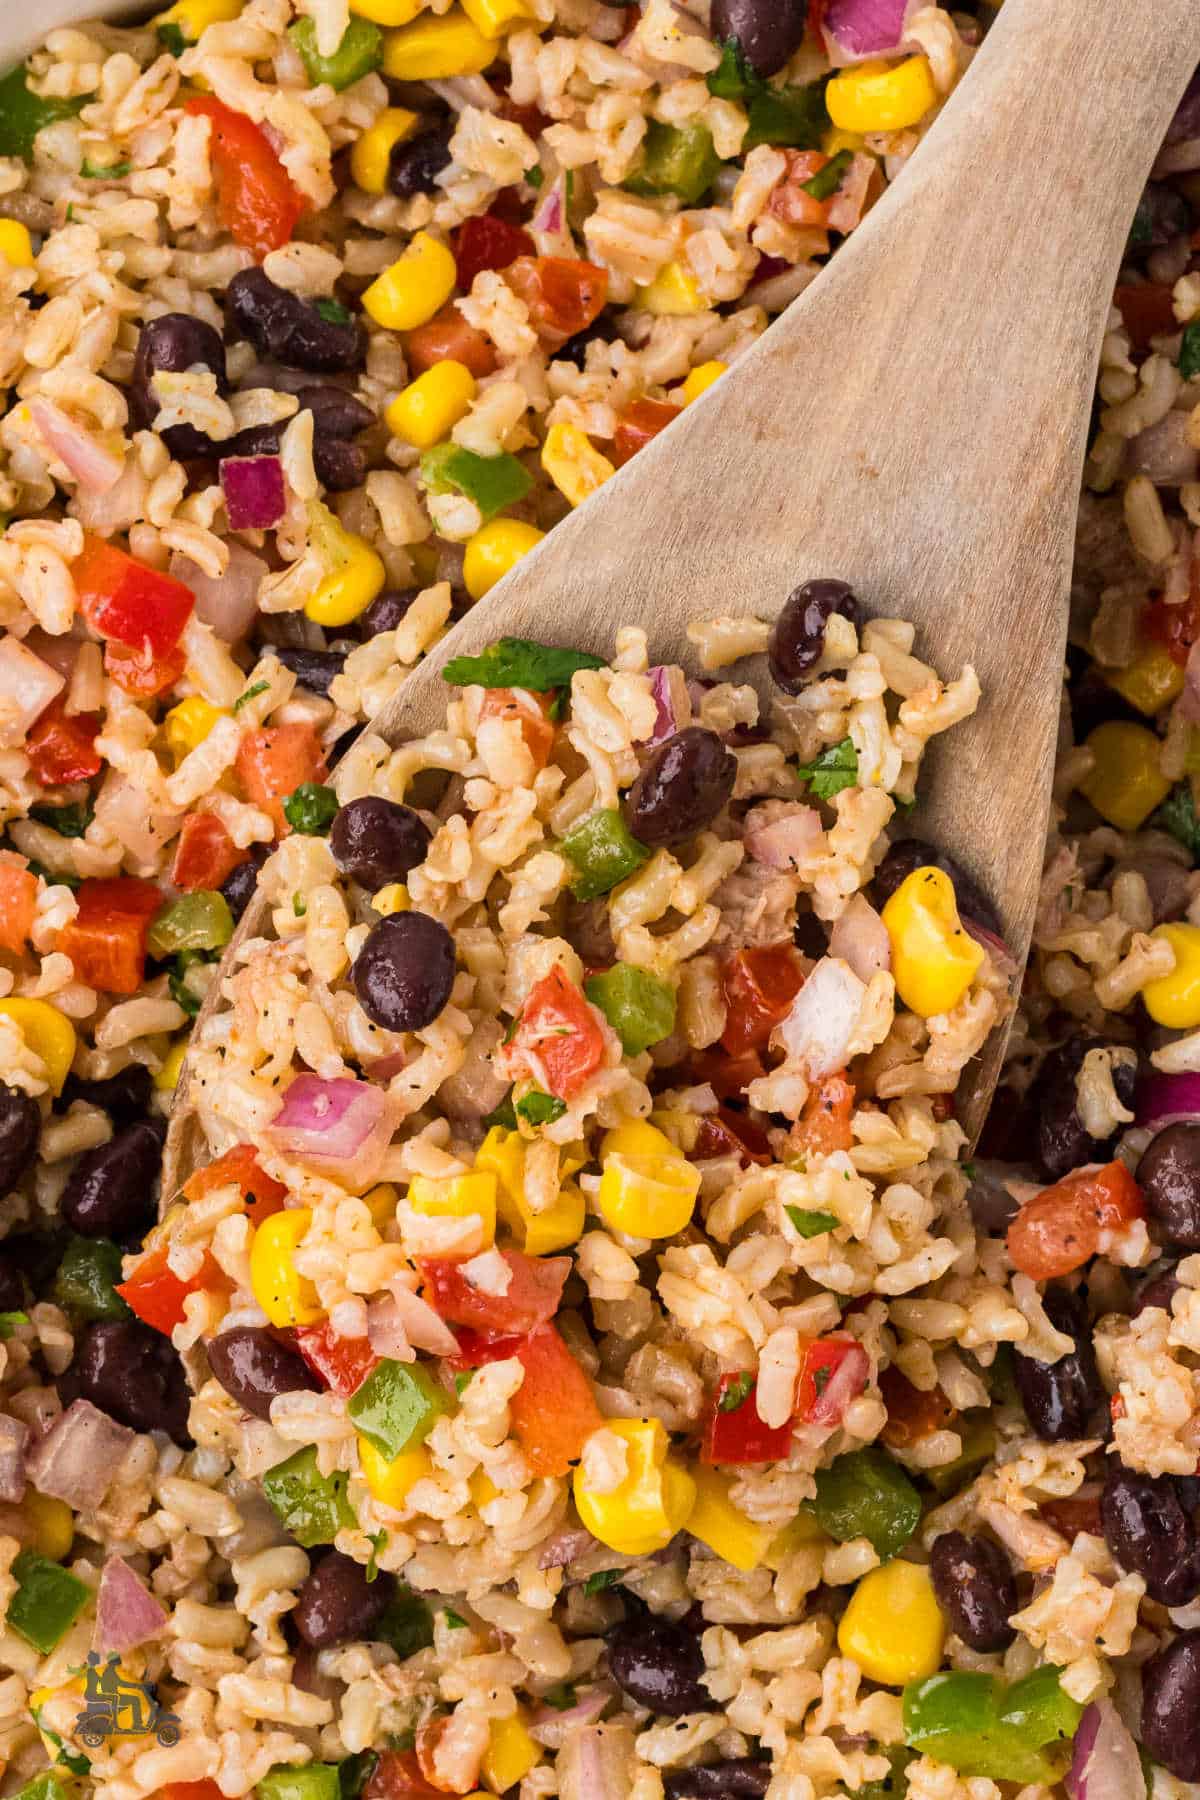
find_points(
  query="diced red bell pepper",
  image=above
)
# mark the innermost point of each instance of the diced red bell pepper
(530, 118)
(733, 1431)
(448, 338)
(760, 984)
(726, 1133)
(275, 760)
(1148, 311)
(106, 940)
(533, 1297)
(18, 901)
(488, 242)
(257, 201)
(728, 1076)
(554, 1410)
(1073, 1514)
(61, 746)
(190, 1790)
(913, 1413)
(157, 1295)
(137, 672)
(533, 713)
(1176, 627)
(558, 1035)
(342, 1363)
(1062, 1227)
(638, 424)
(834, 1371)
(205, 854)
(397, 1776)
(824, 1125)
(262, 1195)
(124, 599)
(563, 294)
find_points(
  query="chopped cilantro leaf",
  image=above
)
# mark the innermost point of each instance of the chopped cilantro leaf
(462, 1381)
(49, 876)
(251, 693)
(821, 1379)
(520, 663)
(737, 1391)
(534, 177)
(454, 1620)
(354, 1772)
(733, 78)
(9, 1322)
(537, 1108)
(334, 312)
(968, 1169)
(1189, 351)
(299, 905)
(171, 37)
(603, 1578)
(68, 821)
(826, 182)
(562, 1697)
(835, 769)
(1177, 814)
(504, 1114)
(310, 808)
(114, 172)
(810, 1224)
(378, 1542)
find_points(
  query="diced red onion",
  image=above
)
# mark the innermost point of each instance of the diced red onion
(1164, 1100)
(550, 1725)
(27, 686)
(79, 1456)
(339, 1128)
(124, 810)
(94, 467)
(596, 1762)
(860, 938)
(1105, 1764)
(400, 1322)
(787, 839)
(665, 722)
(384, 1067)
(1163, 452)
(819, 1029)
(14, 1441)
(846, 206)
(125, 1613)
(226, 602)
(62, 653)
(564, 1547)
(548, 227)
(858, 29)
(997, 949)
(844, 1385)
(255, 498)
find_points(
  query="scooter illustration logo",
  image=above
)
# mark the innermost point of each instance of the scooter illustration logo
(116, 1706)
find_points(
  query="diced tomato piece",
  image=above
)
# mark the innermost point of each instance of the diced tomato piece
(106, 940)
(190, 1790)
(760, 984)
(18, 901)
(530, 118)
(123, 598)
(816, 13)
(61, 746)
(734, 1433)
(562, 293)
(204, 854)
(1062, 1227)
(274, 761)
(533, 712)
(1175, 627)
(488, 242)
(1148, 311)
(342, 1363)
(429, 1736)
(554, 1410)
(138, 673)
(1075, 1513)
(475, 1348)
(638, 424)
(397, 1776)
(789, 201)
(834, 1371)
(261, 1193)
(726, 1133)
(157, 1295)
(448, 338)
(912, 1413)
(533, 1296)
(728, 1076)
(558, 1035)
(257, 201)
(824, 1125)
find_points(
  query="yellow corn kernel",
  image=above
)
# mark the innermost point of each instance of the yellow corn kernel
(646, 1188)
(388, 12)
(510, 1754)
(673, 294)
(573, 463)
(637, 1137)
(391, 899)
(650, 1505)
(457, 1197)
(701, 379)
(194, 16)
(430, 407)
(286, 1296)
(483, 1489)
(51, 1524)
(934, 960)
(47, 1032)
(537, 1233)
(16, 245)
(415, 287)
(494, 17)
(1126, 783)
(717, 1522)
(1151, 681)
(381, 1202)
(802, 1531)
(560, 1226)
(188, 724)
(356, 573)
(878, 96)
(435, 49)
(494, 550)
(1174, 1000)
(893, 1627)
(167, 1079)
(390, 1482)
(836, 140)
(395, 125)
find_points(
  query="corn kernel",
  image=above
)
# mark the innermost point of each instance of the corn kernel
(637, 1137)
(701, 379)
(381, 1202)
(646, 1188)
(356, 572)
(494, 550)
(877, 96)
(650, 1505)
(510, 1754)
(415, 287)
(1151, 681)
(934, 960)
(390, 1482)
(51, 1523)
(717, 1522)
(537, 1233)
(286, 1296)
(430, 407)
(893, 1627)
(167, 1079)
(673, 294)
(436, 49)
(373, 148)
(16, 245)
(457, 1197)
(1125, 783)
(47, 1032)
(573, 463)
(388, 12)
(483, 1489)
(494, 17)
(188, 724)
(193, 17)
(394, 898)
(1174, 1000)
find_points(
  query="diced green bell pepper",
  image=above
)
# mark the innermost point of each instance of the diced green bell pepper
(360, 51)
(23, 114)
(1189, 351)
(47, 1602)
(87, 1278)
(312, 1506)
(397, 1406)
(1019, 1734)
(827, 180)
(676, 159)
(792, 117)
(407, 1624)
(812, 1224)
(311, 809)
(639, 1007)
(604, 851)
(45, 1786)
(492, 482)
(866, 1494)
(978, 1437)
(197, 921)
(309, 1781)
(733, 78)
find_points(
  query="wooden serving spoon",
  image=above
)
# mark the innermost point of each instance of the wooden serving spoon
(914, 423)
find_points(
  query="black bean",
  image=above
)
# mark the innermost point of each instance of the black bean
(125, 1097)
(239, 885)
(682, 787)
(1061, 1398)
(1063, 1142)
(134, 1374)
(336, 1603)
(385, 613)
(907, 854)
(313, 669)
(1151, 1535)
(1171, 1707)
(737, 1778)
(575, 349)
(336, 413)
(375, 841)
(12, 1284)
(174, 342)
(975, 1588)
(1159, 1291)
(1169, 1177)
(404, 972)
(110, 1192)
(339, 465)
(413, 167)
(284, 326)
(253, 1367)
(659, 1664)
(20, 1129)
(798, 637)
(769, 31)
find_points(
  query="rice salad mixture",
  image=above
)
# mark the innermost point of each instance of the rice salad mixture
(585, 1363)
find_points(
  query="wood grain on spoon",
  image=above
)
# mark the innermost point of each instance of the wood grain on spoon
(914, 423)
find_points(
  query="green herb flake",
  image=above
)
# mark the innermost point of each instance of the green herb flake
(733, 78)
(811, 1224)
(251, 693)
(1177, 814)
(826, 182)
(299, 905)
(23, 113)
(968, 1169)
(1189, 351)
(378, 1542)
(51, 878)
(537, 1108)
(181, 989)
(9, 1322)
(520, 663)
(794, 118)
(311, 809)
(737, 1393)
(603, 1578)
(462, 1382)
(407, 1625)
(504, 1115)
(114, 172)
(171, 37)
(333, 312)
(454, 1621)
(534, 177)
(68, 821)
(354, 1772)
(562, 1697)
(835, 769)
